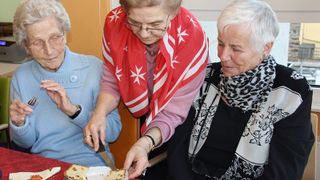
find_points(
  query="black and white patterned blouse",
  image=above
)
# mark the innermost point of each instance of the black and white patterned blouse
(225, 142)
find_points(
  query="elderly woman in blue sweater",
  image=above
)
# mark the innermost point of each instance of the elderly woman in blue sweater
(65, 86)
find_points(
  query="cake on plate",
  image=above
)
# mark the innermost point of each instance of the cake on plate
(77, 172)
(119, 174)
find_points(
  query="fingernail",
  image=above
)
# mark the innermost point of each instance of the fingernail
(28, 109)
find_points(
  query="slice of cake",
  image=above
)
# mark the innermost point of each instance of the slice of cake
(76, 172)
(119, 174)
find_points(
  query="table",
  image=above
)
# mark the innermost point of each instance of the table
(15, 161)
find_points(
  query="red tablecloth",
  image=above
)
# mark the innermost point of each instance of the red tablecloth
(15, 161)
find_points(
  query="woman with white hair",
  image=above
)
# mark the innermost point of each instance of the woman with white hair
(251, 119)
(53, 94)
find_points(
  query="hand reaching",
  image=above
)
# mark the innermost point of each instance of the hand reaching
(96, 127)
(94, 130)
(137, 158)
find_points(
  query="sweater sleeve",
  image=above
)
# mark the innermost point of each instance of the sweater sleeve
(113, 127)
(177, 109)
(109, 83)
(25, 135)
(290, 145)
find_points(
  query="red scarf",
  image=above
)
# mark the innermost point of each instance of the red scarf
(183, 54)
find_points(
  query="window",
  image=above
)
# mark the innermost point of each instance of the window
(298, 44)
(304, 51)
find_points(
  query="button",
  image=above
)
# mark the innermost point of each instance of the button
(73, 78)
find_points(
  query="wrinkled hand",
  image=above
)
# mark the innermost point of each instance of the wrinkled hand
(95, 129)
(137, 158)
(18, 112)
(59, 95)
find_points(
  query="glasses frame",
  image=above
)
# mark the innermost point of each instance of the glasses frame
(150, 30)
(53, 41)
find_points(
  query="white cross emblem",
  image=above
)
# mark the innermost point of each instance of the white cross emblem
(181, 34)
(115, 15)
(137, 75)
(193, 21)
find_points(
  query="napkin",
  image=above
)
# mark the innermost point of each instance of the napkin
(45, 174)
(97, 172)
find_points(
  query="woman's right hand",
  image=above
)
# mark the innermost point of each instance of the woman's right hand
(137, 158)
(95, 129)
(18, 112)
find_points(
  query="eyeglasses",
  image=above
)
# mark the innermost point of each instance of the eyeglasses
(54, 41)
(152, 29)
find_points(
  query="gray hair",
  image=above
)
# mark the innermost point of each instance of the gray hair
(31, 11)
(260, 19)
(170, 5)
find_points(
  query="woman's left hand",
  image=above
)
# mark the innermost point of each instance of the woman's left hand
(137, 158)
(59, 95)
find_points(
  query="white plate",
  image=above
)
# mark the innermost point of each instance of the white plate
(97, 172)
(45, 174)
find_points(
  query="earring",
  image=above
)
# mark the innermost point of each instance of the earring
(264, 56)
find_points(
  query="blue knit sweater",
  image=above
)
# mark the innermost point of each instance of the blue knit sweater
(50, 132)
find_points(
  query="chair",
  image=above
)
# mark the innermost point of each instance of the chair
(310, 170)
(4, 110)
(5, 128)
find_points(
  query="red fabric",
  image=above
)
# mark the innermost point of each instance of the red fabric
(14, 161)
(183, 54)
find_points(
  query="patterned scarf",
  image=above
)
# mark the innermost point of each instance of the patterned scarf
(248, 91)
(177, 62)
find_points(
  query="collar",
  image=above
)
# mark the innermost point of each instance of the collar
(69, 75)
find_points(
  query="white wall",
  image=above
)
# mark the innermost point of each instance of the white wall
(207, 12)
(287, 10)
(7, 9)
(114, 3)
(279, 50)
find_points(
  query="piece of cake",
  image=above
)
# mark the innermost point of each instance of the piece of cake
(119, 174)
(76, 172)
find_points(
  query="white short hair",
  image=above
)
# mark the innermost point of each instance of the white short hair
(257, 15)
(31, 11)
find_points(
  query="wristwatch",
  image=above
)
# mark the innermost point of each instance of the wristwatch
(77, 112)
